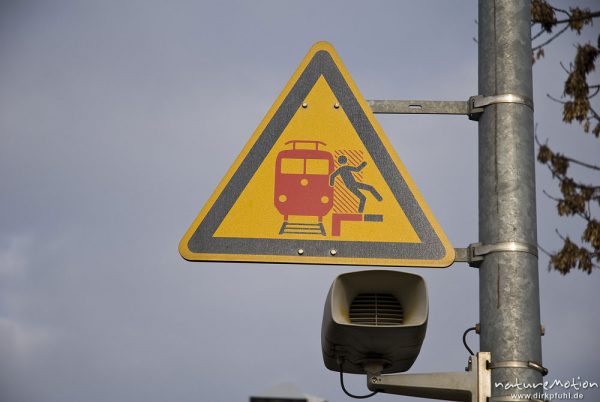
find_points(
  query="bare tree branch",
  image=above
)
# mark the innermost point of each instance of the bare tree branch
(566, 70)
(584, 164)
(560, 10)
(583, 17)
(555, 100)
(537, 35)
(551, 39)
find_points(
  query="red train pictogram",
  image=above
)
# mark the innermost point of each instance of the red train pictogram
(302, 180)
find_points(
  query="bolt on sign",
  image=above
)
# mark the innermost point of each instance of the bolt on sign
(318, 183)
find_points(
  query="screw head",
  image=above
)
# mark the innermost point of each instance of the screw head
(337, 105)
(300, 251)
(333, 251)
(304, 105)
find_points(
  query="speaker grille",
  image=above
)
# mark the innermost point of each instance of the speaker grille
(378, 309)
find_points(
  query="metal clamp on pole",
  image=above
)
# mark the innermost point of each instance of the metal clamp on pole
(475, 253)
(477, 104)
(518, 364)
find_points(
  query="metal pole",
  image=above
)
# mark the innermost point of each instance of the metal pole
(509, 306)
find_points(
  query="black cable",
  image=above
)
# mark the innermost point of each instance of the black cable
(346, 391)
(465, 339)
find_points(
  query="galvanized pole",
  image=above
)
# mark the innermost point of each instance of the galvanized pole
(508, 280)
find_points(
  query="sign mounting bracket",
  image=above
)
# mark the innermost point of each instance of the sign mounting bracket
(473, 107)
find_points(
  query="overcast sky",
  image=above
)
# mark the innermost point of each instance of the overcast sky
(119, 118)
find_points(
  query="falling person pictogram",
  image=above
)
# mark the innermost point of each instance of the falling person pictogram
(347, 176)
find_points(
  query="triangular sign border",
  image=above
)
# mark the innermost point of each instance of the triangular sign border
(198, 244)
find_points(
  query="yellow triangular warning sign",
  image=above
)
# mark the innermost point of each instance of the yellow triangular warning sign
(318, 183)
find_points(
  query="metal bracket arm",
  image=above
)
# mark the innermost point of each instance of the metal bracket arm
(473, 385)
(418, 107)
(475, 253)
(473, 107)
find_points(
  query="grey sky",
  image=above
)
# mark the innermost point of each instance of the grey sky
(119, 118)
